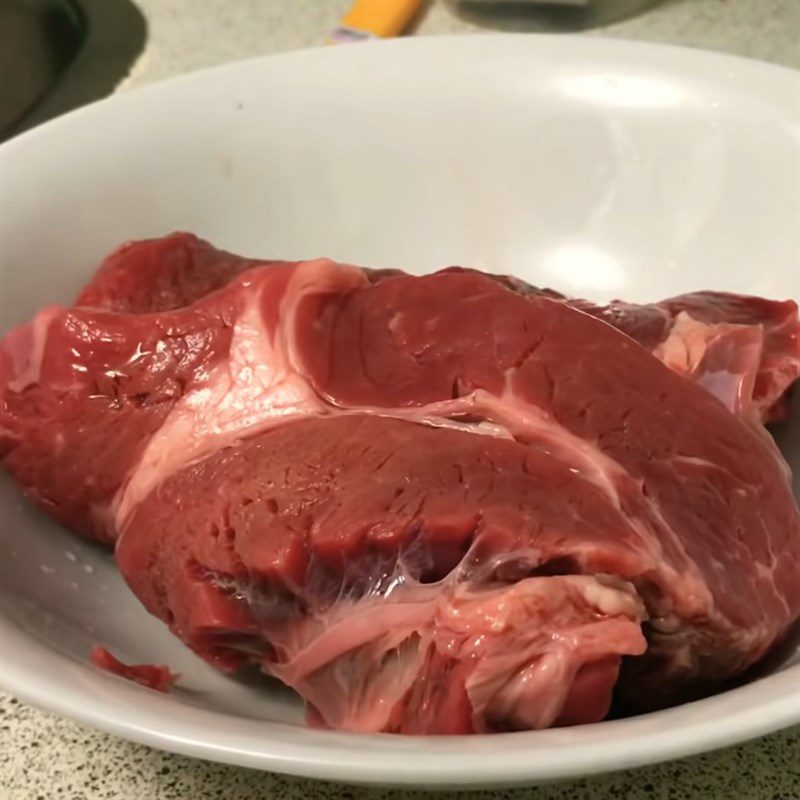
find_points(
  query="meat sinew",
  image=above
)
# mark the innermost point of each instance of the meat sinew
(442, 504)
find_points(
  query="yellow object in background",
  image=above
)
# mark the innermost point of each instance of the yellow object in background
(368, 19)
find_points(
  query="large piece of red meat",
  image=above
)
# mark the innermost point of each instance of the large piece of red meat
(442, 504)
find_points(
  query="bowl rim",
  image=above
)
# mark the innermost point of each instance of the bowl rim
(578, 45)
(121, 708)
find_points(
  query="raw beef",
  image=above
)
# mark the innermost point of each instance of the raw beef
(153, 676)
(742, 349)
(440, 504)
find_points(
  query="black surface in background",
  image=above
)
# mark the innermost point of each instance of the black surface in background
(56, 55)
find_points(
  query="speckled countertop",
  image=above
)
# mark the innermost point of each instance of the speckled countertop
(43, 757)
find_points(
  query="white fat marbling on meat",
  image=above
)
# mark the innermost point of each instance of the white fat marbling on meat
(258, 388)
(25, 346)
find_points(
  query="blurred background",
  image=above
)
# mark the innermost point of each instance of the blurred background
(56, 55)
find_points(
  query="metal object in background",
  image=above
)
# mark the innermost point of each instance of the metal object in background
(556, 16)
(56, 55)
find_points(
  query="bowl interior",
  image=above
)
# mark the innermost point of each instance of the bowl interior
(597, 168)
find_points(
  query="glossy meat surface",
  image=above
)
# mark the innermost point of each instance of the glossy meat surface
(441, 504)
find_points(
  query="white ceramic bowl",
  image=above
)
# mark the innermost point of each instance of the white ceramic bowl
(599, 167)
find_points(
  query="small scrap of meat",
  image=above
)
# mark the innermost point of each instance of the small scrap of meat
(153, 676)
